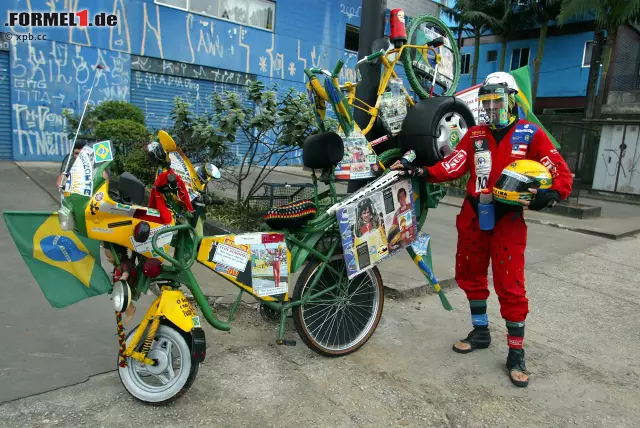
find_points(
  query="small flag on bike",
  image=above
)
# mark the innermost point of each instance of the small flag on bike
(66, 266)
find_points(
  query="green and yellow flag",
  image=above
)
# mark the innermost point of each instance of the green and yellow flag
(66, 266)
(523, 99)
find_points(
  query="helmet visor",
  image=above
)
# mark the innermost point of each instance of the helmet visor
(511, 181)
(493, 107)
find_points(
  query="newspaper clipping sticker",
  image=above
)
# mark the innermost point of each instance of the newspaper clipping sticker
(359, 159)
(259, 262)
(377, 226)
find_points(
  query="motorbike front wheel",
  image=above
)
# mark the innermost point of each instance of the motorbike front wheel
(166, 381)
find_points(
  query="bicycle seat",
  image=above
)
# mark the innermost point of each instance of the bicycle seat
(290, 216)
(323, 150)
(129, 190)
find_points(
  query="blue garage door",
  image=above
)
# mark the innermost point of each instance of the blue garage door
(6, 142)
(155, 93)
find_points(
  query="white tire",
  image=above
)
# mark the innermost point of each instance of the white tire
(135, 376)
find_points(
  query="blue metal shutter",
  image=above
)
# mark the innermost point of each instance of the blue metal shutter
(6, 142)
(155, 93)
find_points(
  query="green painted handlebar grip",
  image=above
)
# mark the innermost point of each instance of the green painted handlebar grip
(308, 72)
(375, 55)
(337, 68)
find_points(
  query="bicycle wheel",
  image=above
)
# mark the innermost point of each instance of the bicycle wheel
(340, 321)
(420, 66)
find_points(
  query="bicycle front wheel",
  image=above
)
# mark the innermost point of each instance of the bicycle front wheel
(342, 320)
(419, 64)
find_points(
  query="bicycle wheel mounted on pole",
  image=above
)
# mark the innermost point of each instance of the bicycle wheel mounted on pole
(419, 64)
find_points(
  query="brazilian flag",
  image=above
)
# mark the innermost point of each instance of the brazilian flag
(66, 266)
(523, 99)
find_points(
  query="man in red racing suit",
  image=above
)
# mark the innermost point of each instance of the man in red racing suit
(485, 151)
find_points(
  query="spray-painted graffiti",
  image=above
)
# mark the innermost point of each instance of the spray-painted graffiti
(350, 11)
(154, 93)
(170, 68)
(48, 77)
(185, 48)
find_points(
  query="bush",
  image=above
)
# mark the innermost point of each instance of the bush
(122, 131)
(126, 136)
(118, 110)
(137, 163)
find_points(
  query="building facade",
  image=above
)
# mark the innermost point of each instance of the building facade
(160, 49)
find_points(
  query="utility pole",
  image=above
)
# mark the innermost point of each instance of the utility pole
(371, 28)
(590, 105)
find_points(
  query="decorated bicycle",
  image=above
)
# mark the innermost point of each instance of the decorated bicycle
(335, 244)
(431, 61)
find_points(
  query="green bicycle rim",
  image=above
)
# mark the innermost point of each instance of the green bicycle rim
(406, 56)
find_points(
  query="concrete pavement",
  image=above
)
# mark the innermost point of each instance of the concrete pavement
(581, 340)
(45, 348)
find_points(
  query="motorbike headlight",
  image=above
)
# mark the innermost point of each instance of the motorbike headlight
(66, 219)
(121, 296)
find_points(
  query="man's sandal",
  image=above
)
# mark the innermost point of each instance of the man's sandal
(516, 363)
(478, 339)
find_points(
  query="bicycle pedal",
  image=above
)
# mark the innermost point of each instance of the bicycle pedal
(286, 342)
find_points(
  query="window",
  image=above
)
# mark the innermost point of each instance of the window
(254, 13)
(586, 54)
(465, 63)
(519, 58)
(352, 38)
(492, 56)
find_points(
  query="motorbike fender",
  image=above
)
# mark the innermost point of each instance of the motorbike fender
(175, 307)
(198, 345)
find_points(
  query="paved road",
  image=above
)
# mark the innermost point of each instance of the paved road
(581, 347)
(581, 344)
(44, 348)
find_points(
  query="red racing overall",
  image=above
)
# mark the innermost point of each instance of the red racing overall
(485, 158)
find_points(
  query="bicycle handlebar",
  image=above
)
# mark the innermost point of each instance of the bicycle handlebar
(375, 55)
(166, 256)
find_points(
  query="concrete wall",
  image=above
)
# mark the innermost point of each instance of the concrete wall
(415, 7)
(561, 72)
(625, 61)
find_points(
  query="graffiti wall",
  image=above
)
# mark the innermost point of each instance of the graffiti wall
(47, 77)
(54, 70)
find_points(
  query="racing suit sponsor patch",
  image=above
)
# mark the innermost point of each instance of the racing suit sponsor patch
(482, 164)
(478, 133)
(549, 165)
(481, 145)
(455, 163)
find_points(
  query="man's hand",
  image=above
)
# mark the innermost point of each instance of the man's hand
(410, 170)
(541, 200)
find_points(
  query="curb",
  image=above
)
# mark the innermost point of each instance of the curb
(55, 199)
(418, 290)
(606, 235)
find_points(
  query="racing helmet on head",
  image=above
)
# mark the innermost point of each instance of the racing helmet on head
(497, 100)
(517, 178)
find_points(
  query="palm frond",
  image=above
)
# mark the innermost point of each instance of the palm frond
(579, 8)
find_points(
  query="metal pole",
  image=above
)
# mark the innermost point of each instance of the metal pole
(371, 29)
(623, 148)
(84, 110)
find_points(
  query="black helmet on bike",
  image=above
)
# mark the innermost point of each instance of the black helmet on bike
(157, 154)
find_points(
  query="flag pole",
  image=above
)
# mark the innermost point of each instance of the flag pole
(84, 110)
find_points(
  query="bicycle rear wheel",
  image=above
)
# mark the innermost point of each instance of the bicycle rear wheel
(341, 321)
(420, 64)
